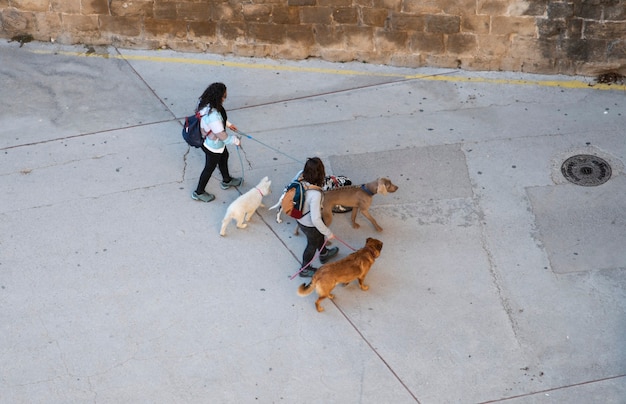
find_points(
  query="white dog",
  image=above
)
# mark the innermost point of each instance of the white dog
(242, 208)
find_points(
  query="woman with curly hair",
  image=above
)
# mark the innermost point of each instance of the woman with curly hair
(214, 123)
(311, 222)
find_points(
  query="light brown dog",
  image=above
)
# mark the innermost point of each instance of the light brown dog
(358, 197)
(354, 266)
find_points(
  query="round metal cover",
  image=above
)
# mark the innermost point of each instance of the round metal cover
(586, 170)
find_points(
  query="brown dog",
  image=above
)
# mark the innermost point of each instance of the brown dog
(354, 266)
(356, 197)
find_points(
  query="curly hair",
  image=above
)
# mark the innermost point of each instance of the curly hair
(213, 96)
(314, 172)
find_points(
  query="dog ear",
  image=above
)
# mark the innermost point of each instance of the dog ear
(382, 189)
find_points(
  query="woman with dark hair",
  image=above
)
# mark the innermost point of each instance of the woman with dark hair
(311, 222)
(214, 123)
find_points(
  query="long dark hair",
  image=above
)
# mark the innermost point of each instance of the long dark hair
(213, 96)
(314, 172)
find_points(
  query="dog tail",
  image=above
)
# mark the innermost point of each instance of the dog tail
(305, 290)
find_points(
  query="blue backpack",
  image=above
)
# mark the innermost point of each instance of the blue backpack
(192, 132)
(292, 203)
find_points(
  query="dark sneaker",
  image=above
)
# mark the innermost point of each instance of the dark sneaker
(203, 197)
(341, 209)
(308, 272)
(330, 252)
(234, 182)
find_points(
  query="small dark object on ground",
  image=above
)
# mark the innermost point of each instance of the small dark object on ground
(610, 78)
(22, 39)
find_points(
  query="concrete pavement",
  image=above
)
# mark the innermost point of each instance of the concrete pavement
(499, 280)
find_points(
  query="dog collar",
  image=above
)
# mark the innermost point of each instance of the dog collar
(364, 188)
(259, 191)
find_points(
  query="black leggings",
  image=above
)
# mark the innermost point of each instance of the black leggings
(212, 160)
(314, 241)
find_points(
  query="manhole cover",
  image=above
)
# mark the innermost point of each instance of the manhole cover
(586, 170)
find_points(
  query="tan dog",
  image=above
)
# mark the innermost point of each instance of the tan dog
(359, 198)
(354, 266)
(242, 208)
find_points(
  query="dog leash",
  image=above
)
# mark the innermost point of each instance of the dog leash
(309, 263)
(346, 244)
(268, 146)
(317, 253)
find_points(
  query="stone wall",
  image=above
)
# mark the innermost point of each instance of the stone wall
(585, 37)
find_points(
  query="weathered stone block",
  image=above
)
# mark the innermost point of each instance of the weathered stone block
(520, 26)
(426, 42)
(268, 33)
(575, 28)
(249, 50)
(335, 3)
(493, 46)
(202, 29)
(445, 61)
(47, 25)
(301, 35)
(616, 12)
(535, 7)
(462, 44)
(316, 15)
(587, 10)
(407, 22)
(231, 31)
(560, 10)
(79, 23)
(95, 7)
(586, 50)
(616, 51)
(327, 36)
(391, 5)
(547, 28)
(442, 24)
(65, 6)
(301, 2)
(256, 12)
(604, 30)
(165, 28)
(387, 41)
(458, 7)
(15, 22)
(374, 17)
(492, 7)
(165, 11)
(125, 26)
(337, 55)
(361, 38)
(421, 7)
(226, 12)
(132, 8)
(345, 15)
(285, 15)
(477, 24)
(193, 11)
(30, 5)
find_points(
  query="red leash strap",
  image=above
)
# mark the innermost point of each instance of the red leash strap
(309, 263)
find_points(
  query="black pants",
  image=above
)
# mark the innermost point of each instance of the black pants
(212, 160)
(314, 241)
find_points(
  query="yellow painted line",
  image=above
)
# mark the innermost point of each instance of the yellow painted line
(570, 84)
